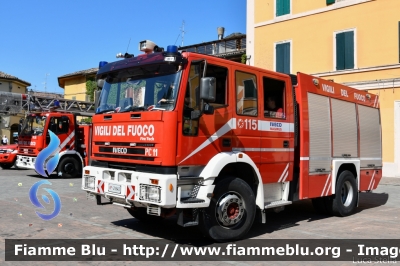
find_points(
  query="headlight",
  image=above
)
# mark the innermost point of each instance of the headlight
(150, 193)
(11, 151)
(89, 182)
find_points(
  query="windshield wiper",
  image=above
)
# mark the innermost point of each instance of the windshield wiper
(133, 108)
(105, 111)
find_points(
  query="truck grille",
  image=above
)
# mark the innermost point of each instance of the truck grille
(124, 157)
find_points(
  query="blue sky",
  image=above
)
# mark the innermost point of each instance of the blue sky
(60, 37)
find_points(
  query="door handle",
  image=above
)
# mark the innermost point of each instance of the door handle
(286, 144)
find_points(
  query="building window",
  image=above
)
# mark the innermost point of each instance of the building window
(282, 7)
(345, 50)
(282, 57)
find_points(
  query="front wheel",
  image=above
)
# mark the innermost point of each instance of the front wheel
(6, 165)
(231, 212)
(69, 167)
(345, 199)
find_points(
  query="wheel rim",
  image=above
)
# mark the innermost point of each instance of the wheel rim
(69, 168)
(230, 209)
(347, 194)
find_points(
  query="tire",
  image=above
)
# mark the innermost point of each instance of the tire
(6, 165)
(69, 167)
(141, 215)
(345, 199)
(231, 212)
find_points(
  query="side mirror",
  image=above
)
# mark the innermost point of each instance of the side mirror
(100, 83)
(96, 99)
(208, 89)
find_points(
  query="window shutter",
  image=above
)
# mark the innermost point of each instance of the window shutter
(349, 50)
(329, 2)
(340, 51)
(278, 8)
(286, 58)
(286, 7)
(283, 58)
(282, 7)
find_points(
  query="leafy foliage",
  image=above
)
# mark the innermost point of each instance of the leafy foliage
(244, 58)
(90, 88)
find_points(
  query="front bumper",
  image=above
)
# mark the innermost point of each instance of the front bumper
(26, 162)
(7, 158)
(131, 188)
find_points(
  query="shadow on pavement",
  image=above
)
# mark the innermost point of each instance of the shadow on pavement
(291, 217)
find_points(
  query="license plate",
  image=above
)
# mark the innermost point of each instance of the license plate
(114, 188)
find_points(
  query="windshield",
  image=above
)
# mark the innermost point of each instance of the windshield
(33, 126)
(140, 89)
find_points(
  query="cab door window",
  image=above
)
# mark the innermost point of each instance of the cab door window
(246, 94)
(192, 93)
(274, 101)
(59, 125)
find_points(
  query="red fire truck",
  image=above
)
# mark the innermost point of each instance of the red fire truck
(73, 137)
(218, 142)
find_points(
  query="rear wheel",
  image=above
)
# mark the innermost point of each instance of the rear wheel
(231, 212)
(69, 167)
(141, 215)
(345, 199)
(6, 165)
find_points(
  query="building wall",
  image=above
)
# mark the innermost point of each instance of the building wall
(312, 36)
(8, 123)
(310, 28)
(75, 87)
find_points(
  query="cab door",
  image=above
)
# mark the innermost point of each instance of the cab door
(246, 133)
(63, 128)
(277, 129)
(201, 139)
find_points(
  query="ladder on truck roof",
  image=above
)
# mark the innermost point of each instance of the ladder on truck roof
(16, 103)
(40, 103)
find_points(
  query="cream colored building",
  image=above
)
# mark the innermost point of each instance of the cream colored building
(74, 84)
(9, 121)
(354, 42)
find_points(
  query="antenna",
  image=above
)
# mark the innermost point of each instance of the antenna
(128, 45)
(45, 83)
(183, 31)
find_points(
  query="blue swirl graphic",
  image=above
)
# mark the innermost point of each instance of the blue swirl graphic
(35, 201)
(45, 153)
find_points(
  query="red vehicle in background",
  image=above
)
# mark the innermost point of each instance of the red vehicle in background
(34, 138)
(8, 155)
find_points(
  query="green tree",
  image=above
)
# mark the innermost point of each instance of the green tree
(90, 88)
(244, 58)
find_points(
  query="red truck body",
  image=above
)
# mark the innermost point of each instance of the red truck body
(73, 141)
(215, 150)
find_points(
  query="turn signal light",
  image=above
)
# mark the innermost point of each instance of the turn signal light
(154, 181)
(87, 172)
(171, 187)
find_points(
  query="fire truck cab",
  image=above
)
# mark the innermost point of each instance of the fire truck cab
(218, 142)
(35, 137)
